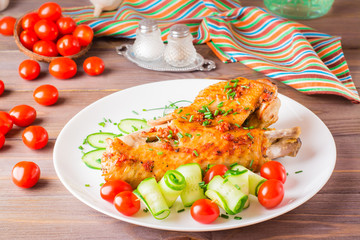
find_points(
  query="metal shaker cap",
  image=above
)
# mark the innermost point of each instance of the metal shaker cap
(148, 25)
(179, 31)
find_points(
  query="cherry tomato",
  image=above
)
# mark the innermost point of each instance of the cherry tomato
(46, 30)
(2, 87)
(68, 45)
(204, 211)
(110, 189)
(66, 25)
(273, 170)
(29, 69)
(2, 140)
(127, 203)
(93, 66)
(219, 169)
(28, 38)
(62, 68)
(25, 174)
(45, 48)
(29, 20)
(271, 193)
(84, 34)
(50, 11)
(6, 122)
(7, 25)
(46, 95)
(23, 115)
(35, 137)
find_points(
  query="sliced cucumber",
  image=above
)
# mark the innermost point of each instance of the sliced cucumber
(149, 193)
(92, 159)
(130, 125)
(98, 140)
(226, 195)
(255, 180)
(240, 179)
(171, 185)
(193, 176)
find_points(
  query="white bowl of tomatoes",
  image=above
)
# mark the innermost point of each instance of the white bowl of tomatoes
(46, 34)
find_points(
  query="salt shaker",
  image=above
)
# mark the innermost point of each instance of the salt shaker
(180, 51)
(148, 45)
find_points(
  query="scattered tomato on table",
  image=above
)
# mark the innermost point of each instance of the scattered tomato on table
(2, 140)
(63, 68)
(23, 115)
(29, 69)
(204, 211)
(46, 95)
(35, 137)
(127, 203)
(25, 174)
(93, 66)
(6, 122)
(2, 87)
(7, 25)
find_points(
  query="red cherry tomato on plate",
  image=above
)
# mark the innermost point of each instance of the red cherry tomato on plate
(219, 169)
(84, 34)
(46, 30)
(2, 140)
(110, 189)
(50, 11)
(271, 193)
(68, 45)
(29, 69)
(6, 123)
(273, 170)
(7, 25)
(25, 174)
(28, 38)
(204, 211)
(45, 48)
(93, 66)
(35, 137)
(62, 68)
(23, 115)
(46, 94)
(66, 25)
(29, 20)
(2, 87)
(127, 203)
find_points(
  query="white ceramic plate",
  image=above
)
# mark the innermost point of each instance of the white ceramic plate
(316, 158)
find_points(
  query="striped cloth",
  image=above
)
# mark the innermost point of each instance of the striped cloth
(297, 55)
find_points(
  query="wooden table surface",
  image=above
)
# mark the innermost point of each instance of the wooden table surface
(50, 211)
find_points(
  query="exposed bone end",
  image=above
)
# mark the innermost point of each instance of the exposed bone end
(284, 147)
(273, 135)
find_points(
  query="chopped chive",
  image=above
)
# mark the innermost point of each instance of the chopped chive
(245, 128)
(101, 141)
(115, 123)
(264, 128)
(101, 184)
(243, 86)
(170, 131)
(176, 141)
(84, 142)
(235, 85)
(159, 153)
(145, 210)
(205, 123)
(135, 112)
(119, 135)
(224, 216)
(110, 120)
(102, 124)
(159, 139)
(232, 165)
(187, 114)
(180, 135)
(87, 185)
(251, 163)
(220, 121)
(246, 108)
(188, 135)
(98, 160)
(170, 136)
(181, 210)
(251, 127)
(196, 153)
(191, 118)
(298, 172)
(287, 174)
(183, 117)
(250, 136)
(220, 104)
(237, 125)
(237, 218)
(150, 149)
(105, 120)
(216, 112)
(81, 147)
(225, 180)
(202, 185)
(211, 102)
(180, 110)
(234, 80)
(135, 128)
(237, 187)
(100, 130)
(198, 134)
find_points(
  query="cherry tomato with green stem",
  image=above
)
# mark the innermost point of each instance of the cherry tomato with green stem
(23, 115)
(204, 211)
(2, 87)
(35, 137)
(28, 38)
(50, 11)
(2, 140)
(271, 193)
(45, 48)
(68, 45)
(127, 203)
(219, 169)
(93, 66)
(29, 69)
(63, 68)
(29, 20)
(84, 34)
(25, 174)
(7, 25)
(46, 95)
(6, 122)
(46, 30)
(110, 189)
(66, 25)
(273, 170)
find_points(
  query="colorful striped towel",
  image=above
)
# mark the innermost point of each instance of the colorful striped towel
(297, 55)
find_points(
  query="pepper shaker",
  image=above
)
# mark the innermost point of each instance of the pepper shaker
(180, 51)
(148, 45)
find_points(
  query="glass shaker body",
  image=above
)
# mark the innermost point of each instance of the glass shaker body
(148, 45)
(180, 51)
